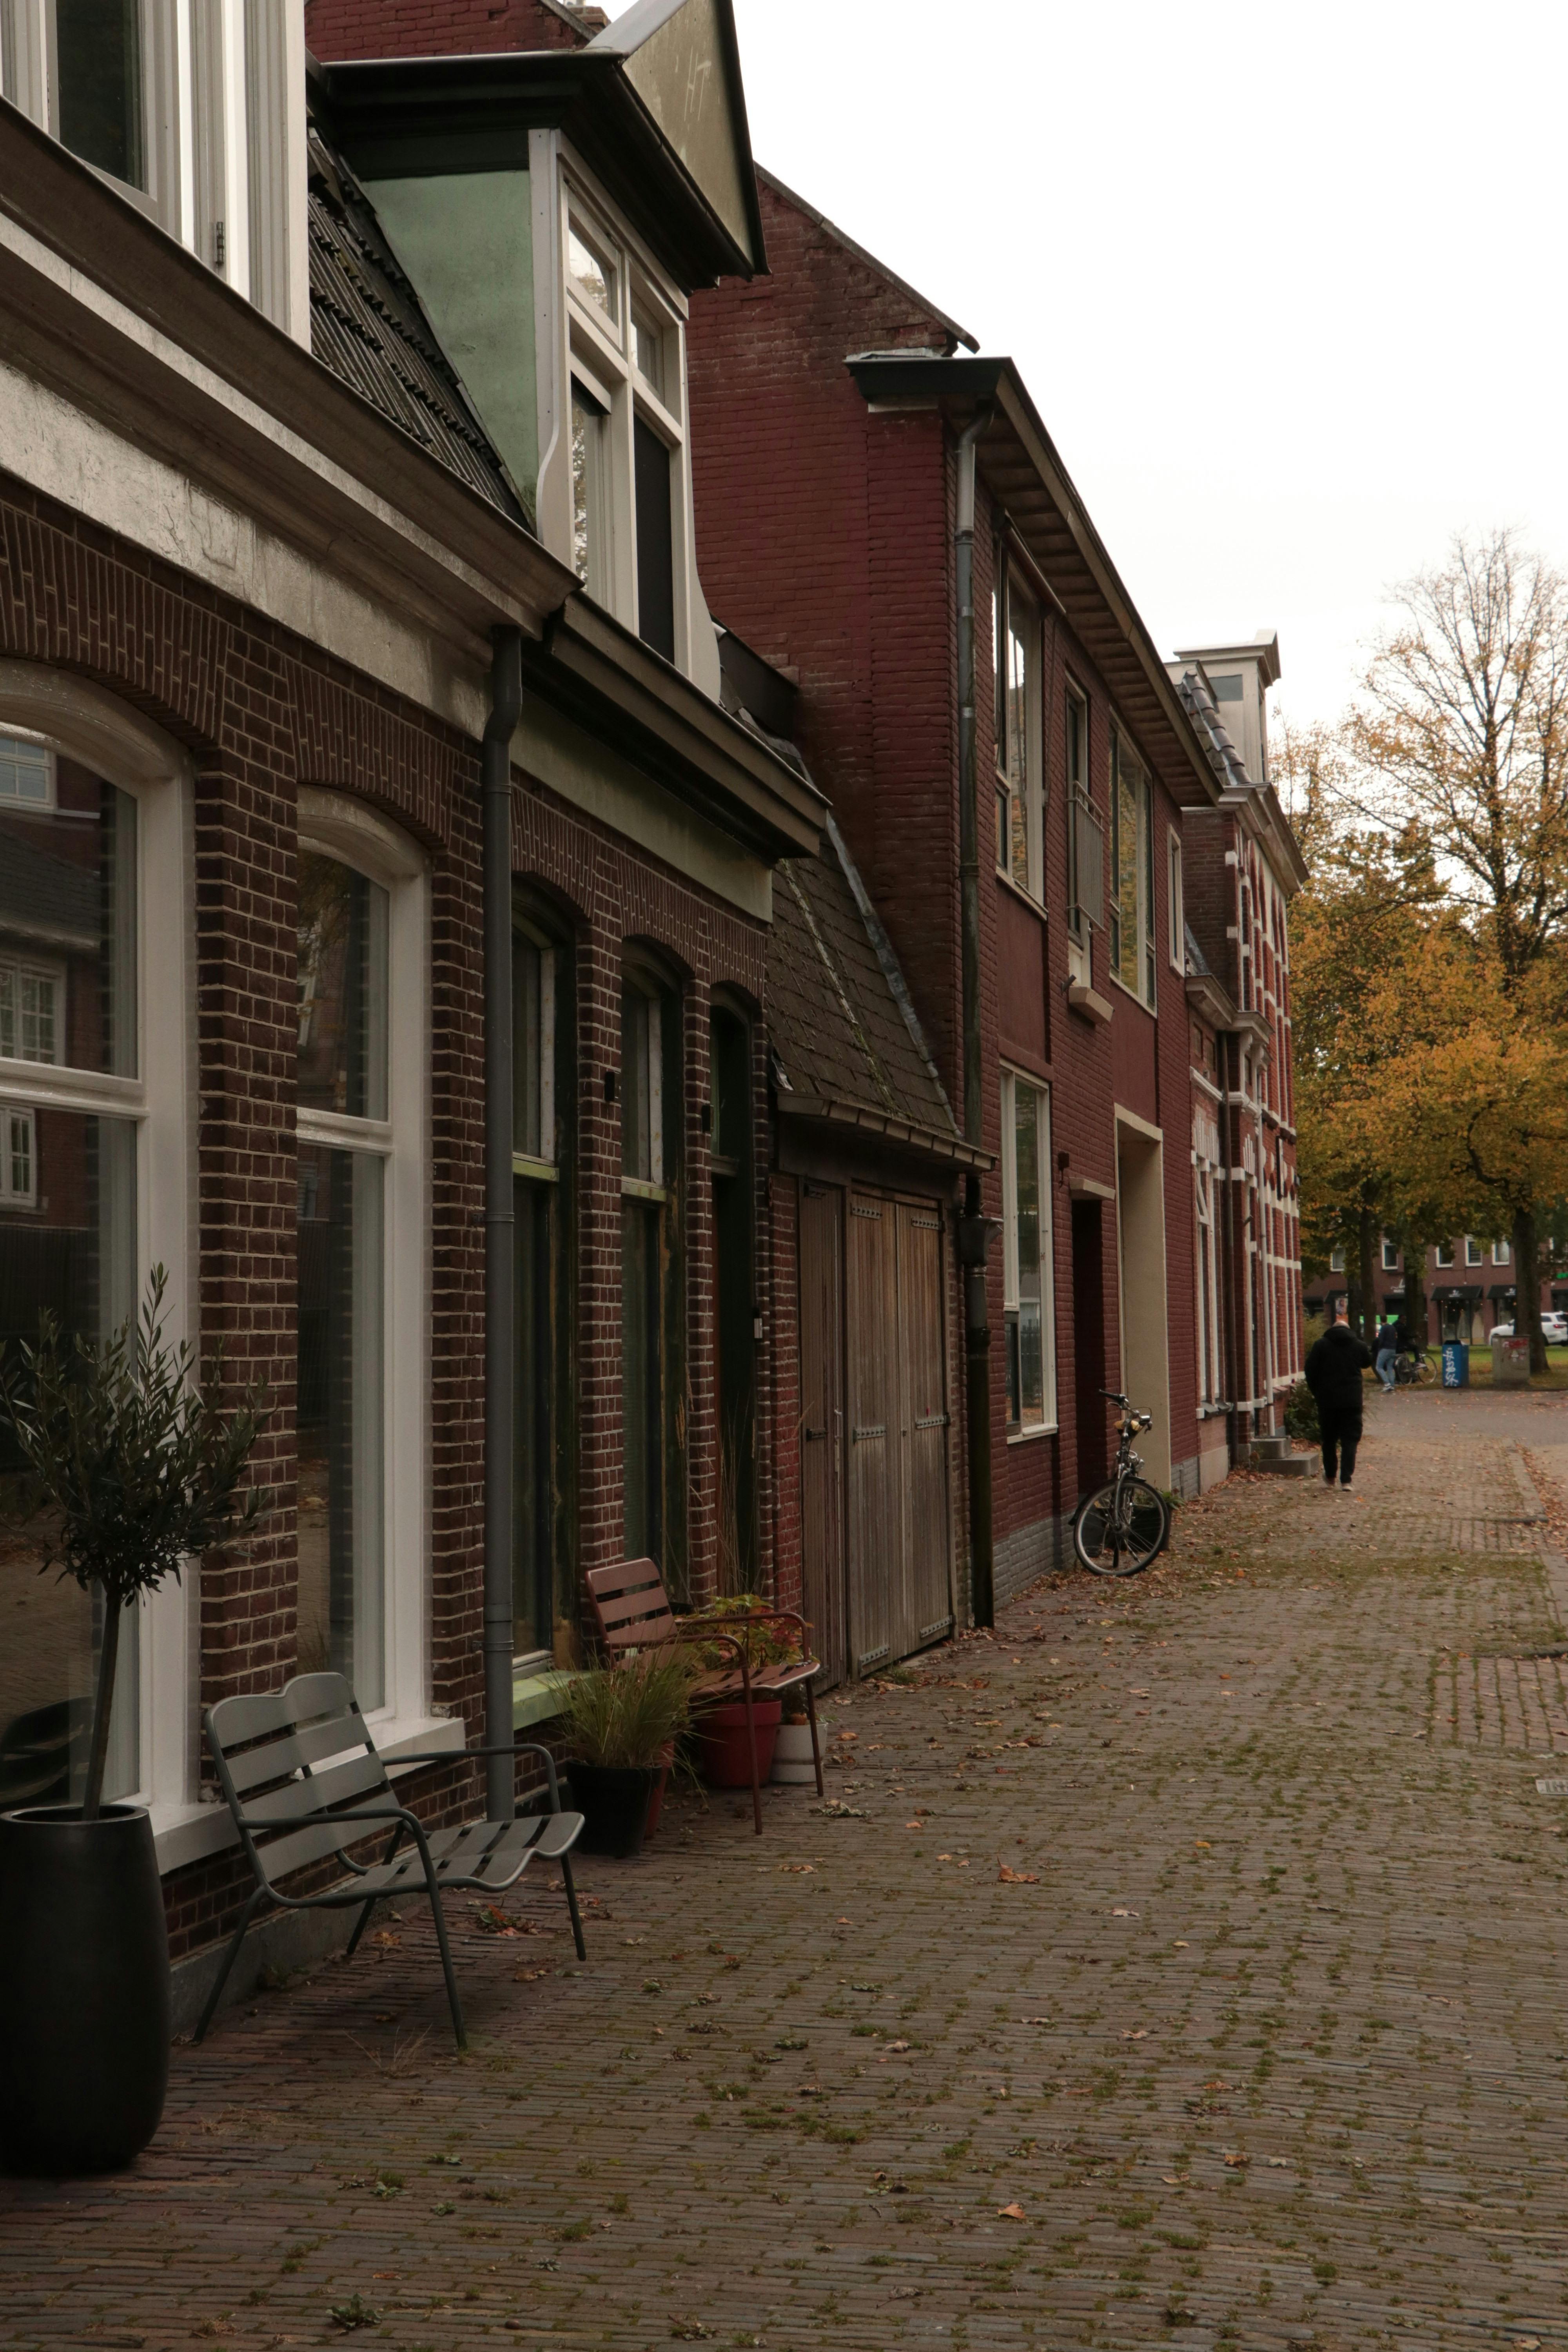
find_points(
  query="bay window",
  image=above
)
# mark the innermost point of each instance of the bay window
(1027, 1256)
(360, 1085)
(93, 1183)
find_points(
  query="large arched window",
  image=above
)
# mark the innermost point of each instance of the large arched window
(543, 1171)
(361, 1411)
(94, 990)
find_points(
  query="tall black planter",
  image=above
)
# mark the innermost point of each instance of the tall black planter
(84, 1989)
(613, 1799)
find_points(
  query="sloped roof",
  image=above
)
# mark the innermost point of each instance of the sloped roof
(842, 1024)
(1227, 761)
(368, 325)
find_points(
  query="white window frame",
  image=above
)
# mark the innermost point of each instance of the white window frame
(15, 805)
(1502, 1252)
(1443, 1254)
(1205, 1180)
(1389, 1256)
(601, 352)
(127, 752)
(544, 1162)
(653, 1186)
(1336, 1261)
(341, 828)
(1475, 1252)
(1176, 917)
(14, 1116)
(1011, 1080)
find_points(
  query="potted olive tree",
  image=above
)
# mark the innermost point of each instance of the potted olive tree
(130, 1470)
(621, 1724)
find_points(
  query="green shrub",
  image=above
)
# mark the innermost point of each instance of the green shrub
(626, 1715)
(1301, 1415)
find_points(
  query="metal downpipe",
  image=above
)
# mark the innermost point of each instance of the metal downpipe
(495, 758)
(974, 1231)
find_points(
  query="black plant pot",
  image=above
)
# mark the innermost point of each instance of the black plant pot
(613, 1799)
(84, 1989)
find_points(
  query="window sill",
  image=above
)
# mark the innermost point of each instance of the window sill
(538, 1171)
(1140, 1001)
(184, 1833)
(1028, 1436)
(634, 1188)
(1089, 1004)
(1024, 897)
(537, 1697)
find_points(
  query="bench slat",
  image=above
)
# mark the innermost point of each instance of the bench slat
(274, 1759)
(323, 1793)
(296, 1847)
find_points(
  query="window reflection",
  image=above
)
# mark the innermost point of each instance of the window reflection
(67, 1246)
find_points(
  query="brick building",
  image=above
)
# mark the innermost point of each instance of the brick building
(865, 482)
(273, 573)
(1467, 1288)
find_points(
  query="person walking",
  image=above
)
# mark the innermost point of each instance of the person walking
(1334, 1365)
(1390, 1339)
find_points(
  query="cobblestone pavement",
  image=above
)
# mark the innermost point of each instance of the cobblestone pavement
(1164, 1972)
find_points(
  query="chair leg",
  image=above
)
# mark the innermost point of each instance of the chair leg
(230, 1958)
(360, 1923)
(458, 2028)
(756, 1780)
(816, 1738)
(570, 1884)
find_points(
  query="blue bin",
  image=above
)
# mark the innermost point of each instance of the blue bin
(1456, 1364)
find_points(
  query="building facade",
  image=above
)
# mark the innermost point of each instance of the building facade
(881, 515)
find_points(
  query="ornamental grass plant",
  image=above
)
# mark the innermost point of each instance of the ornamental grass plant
(624, 1718)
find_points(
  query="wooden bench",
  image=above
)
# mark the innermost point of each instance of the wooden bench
(301, 1777)
(632, 1612)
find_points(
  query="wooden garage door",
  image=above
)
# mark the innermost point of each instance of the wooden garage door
(822, 1423)
(928, 1603)
(875, 1517)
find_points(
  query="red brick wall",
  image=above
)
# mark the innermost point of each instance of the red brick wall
(824, 538)
(339, 29)
(263, 713)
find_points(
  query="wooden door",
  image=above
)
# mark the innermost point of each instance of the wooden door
(822, 1423)
(927, 1593)
(875, 1514)
(1090, 1408)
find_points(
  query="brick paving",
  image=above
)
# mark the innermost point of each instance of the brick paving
(1166, 1973)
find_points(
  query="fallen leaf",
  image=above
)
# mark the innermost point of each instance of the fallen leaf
(527, 1976)
(1007, 1877)
(1280, 2163)
(1205, 1843)
(1121, 1913)
(1034, 2021)
(1135, 2034)
(899, 2045)
(1235, 2158)
(914, 1825)
(1177, 2180)
(1011, 2213)
(1181, 1945)
(800, 1869)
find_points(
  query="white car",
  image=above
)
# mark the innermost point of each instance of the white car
(1553, 1330)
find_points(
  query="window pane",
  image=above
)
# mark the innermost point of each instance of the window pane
(68, 926)
(71, 1251)
(587, 490)
(649, 346)
(1017, 716)
(98, 49)
(637, 1138)
(341, 1418)
(25, 772)
(532, 975)
(342, 990)
(1129, 862)
(532, 1577)
(656, 542)
(1031, 1332)
(592, 272)
(641, 1428)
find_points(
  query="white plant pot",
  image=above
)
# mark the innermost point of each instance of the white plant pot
(792, 1756)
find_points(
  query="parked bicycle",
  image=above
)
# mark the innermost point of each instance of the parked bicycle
(1415, 1370)
(1127, 1524)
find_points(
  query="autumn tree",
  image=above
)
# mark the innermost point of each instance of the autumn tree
(1461, 736)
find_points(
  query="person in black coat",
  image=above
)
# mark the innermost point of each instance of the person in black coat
(1334, 1365)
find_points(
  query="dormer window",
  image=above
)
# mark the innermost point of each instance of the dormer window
(630, 534)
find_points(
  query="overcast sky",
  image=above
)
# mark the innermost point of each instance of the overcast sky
(1285, 281)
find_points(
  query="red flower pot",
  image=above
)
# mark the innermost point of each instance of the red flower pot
(722, 1753)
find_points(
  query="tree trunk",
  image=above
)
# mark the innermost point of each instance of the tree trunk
(1363, 1310)
(1527, 1287)
(1416, 1309)
(98, 1754)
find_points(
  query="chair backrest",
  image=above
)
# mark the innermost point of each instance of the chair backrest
(291, 1756)
(631, 1607)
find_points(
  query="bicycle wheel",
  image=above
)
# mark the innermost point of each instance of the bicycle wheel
(1427, 1371)
(1121, 1529)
